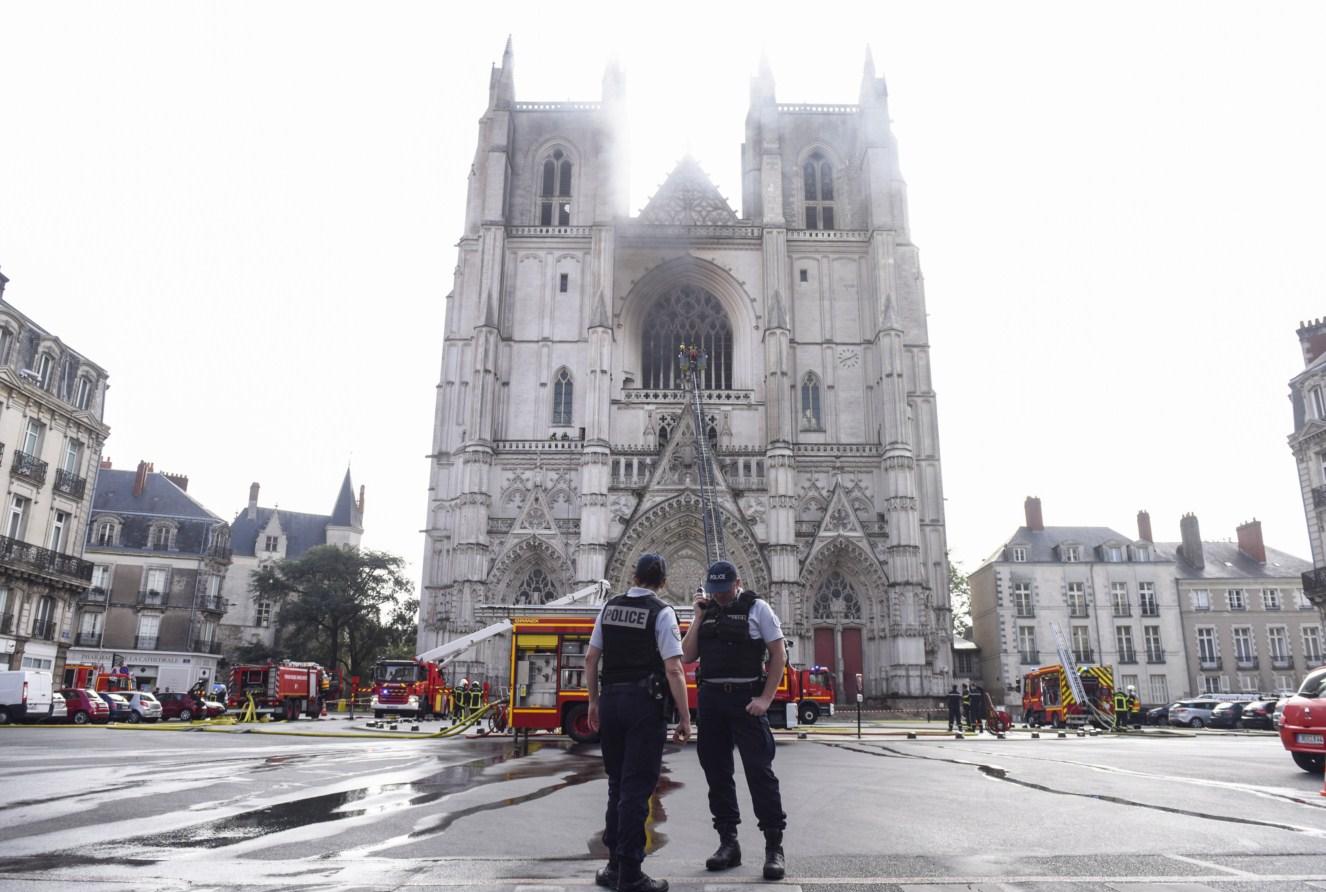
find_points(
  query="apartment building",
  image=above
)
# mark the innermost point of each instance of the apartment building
(1307, 398)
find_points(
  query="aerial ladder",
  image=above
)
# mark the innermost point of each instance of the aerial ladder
(693, 362)
(1090, 709)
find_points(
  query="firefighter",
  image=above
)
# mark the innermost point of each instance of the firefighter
(1134, 708)
(730, 634)
(954, 703)
(1120, 711)
(639, 642)
(966, 708)
(977, 707)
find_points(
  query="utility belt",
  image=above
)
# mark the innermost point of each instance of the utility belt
(734, 687)
(655, 685)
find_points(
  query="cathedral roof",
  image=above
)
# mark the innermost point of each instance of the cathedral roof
(688, 198)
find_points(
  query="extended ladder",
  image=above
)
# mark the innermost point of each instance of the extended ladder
(692, 362)
(1075, 680)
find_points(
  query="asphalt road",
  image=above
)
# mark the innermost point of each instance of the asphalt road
(147, 810)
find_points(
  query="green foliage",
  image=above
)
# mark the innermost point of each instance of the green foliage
(341, 607)
(959, 589)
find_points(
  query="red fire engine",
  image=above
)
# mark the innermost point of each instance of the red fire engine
(1048, 699)
(407, 687)
(282, 690)
(86, 676)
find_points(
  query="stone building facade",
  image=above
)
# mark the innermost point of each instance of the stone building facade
(160, 558)
(51, 434)
(1113, 598)
(563, 446)
(1307, 398)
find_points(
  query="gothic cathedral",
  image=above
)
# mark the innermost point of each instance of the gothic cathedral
(563, 447)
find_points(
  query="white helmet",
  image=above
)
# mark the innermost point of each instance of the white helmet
(464, 683)
(1132, 689)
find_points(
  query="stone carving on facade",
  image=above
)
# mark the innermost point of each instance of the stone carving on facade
(753, 509)
(622, 507)
(688, 198)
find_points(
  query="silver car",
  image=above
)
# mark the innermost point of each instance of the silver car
(143, 707)
(1193, 713)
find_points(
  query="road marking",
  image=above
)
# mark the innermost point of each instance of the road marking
(1211, 865)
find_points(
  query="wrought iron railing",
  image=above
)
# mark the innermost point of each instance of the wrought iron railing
(145, 642)
(1128, 656)
(94, 595)
(16, 551)
(29, 468)
(1216, 663)
(206, 647)
(1282, 662)
(213, 603)
(152, 598)
(69, 483)
(44, 629)
(219, 551)
(1247, 662)
(87, 639)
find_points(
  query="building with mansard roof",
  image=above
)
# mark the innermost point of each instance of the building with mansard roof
(1307, 398)
(563, 447)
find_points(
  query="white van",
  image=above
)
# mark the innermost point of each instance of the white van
(25, 695)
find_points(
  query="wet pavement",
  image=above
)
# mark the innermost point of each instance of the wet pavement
(149, 811)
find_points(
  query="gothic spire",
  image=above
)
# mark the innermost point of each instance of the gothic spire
(600, 317)
(762, 85)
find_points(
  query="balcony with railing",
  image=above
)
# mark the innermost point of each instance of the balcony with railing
(206, 647)
(44, 629)
(1246, 662)
(1314, 583)
(1312, 661)
(87, 639)
(21, 554)
(1211, 663)
(145, 642)
(93, 597)
(152, 598)
(29, 468)
(70, 484)
(1282, 662)
(212, 603)
(220, 551)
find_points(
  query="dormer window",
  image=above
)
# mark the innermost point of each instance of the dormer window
(161, 537)
(1070, 553)
(83, 393)
(817, 173)
(106, 532)
(1318, 403)
(555, 190)
(6, 344)
(1112, 553)
(1018, 554)
(1141, 553)
(45, 365)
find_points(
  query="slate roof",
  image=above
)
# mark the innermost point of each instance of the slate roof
(1225, 561)
(343, 514)
(302, 531)
(114, 494)
(1041, 543)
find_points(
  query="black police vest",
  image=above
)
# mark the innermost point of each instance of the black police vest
(630, 650)
(726, 648)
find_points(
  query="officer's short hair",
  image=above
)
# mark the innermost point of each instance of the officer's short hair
(651, 570)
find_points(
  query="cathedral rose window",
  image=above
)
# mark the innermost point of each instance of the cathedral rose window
(837, 599)
(686, 315)
(536, 589)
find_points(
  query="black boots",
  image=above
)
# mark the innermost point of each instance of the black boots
(631, 879)
(606, 876)
(728, 853)
(774, 867)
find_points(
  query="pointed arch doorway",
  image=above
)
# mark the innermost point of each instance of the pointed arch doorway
(837, 622)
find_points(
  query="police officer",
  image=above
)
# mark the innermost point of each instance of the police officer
(639, 641)
(954, 703)
(730, 634)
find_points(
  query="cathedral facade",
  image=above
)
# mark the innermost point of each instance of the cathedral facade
(564, 445)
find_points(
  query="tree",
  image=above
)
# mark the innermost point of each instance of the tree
(959, 589)
(334, 605)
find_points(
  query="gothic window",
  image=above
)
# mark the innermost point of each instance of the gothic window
(811, 419)
(692, 316)
(818, 176)
(555, 190)
(665, 426)
(536, 589)
(837, 599)
(562, 392)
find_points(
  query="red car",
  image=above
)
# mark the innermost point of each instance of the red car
(186, 707)
(84, 706)
(1303, 727)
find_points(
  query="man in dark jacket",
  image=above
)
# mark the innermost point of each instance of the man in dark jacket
(977, 707)
(954, 702)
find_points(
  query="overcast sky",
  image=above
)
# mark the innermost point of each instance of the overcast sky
(247, 213)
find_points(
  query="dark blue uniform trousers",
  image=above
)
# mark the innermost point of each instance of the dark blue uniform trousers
(724, 724)
(632, 730)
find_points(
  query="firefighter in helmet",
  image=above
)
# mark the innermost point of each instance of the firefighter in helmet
(637, 642)
(1134, 707)
(1120, 710)
(462, 698)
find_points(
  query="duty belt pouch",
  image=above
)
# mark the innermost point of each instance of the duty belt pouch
(658, 689)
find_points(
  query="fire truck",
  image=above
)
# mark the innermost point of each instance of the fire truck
(1048, 699)
(86, 676)
(407, 687)
(283, 690)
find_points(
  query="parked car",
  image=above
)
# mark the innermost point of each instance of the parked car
(1158, 715)
(1258, 714)
(1193, 713)
(1226, 715)
(25, 696)
(1303, 728)
(180, 705)
(143, 707)
(85, 706)
(119, 707)
(59, 707)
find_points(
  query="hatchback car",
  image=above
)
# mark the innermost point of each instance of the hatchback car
(1193, 713)
(119, 707)
(85, 706)
(1258, 714)
(1303, 728)
(59, 707)
(1226, 715)
(180, 705)
(143, 707)
(1158, 715)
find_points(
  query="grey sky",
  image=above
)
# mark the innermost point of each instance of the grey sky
(247, 213)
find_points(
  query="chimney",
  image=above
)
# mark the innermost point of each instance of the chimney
(361, 500)
(1144, 526)
(140, 480)
(1250, 540)
(1311, 336)
(180, 480)
(253, 501)
(1032, 507)
(1191, 548)
(106, 463)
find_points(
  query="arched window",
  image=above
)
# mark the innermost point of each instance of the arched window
(106, 532)
(811, 419)
(562, 393)
(665, 426)
(692, 316)
(837, 599)
(555, 190)
(536, 589)
(818, 176)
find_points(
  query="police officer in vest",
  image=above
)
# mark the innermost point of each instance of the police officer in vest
(730, 633)
(638, 642)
